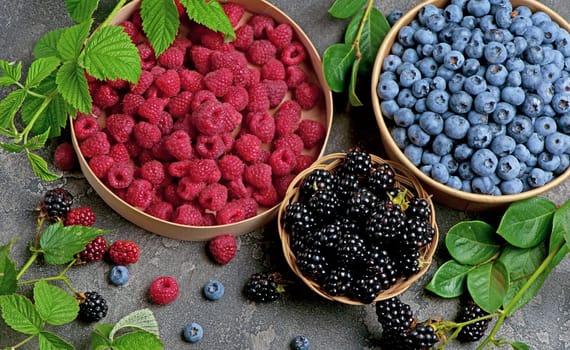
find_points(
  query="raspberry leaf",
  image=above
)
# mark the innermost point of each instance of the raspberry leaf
(81, 10)
(488, 285)
(374, 26)
(72, 85)
(54, 305)
(518, 345)
(137, 340)
(8, 273)
(9, 106)
(20, 314)
(72, 39)
(11, 73)
(46, 46)
(337, 61)
(449, 281)
(472, 242)
(211, 15)
(40, 69)
(143, 320)
(40, 167)
(160, 23)
(345, 8)
(49, 340)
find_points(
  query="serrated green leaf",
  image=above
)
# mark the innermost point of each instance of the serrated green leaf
(137, 341)
(352, 96)
(449, 281)
(110, 54)
(9, 106)
(99, 342)
(472, 242)
(345, 8)
(60, 243)
(211, 15)
(488, 284)
(51, 341)
(141, 319)
(8, 273)
(53, 116)
(10, 147)
(160, 23)
(20, 314)
(40, 69)
(73, 87)
(40, 167)
(374, 31)
(81, 10)
(46, 46)
(338, 59)
(520, 346)
(11, 73)
(38, 141)
(527, 223)
(55, 305)
(72, 40)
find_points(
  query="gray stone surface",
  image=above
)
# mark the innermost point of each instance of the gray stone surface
(233, 322)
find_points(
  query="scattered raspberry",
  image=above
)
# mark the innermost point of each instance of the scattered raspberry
(65, 157)
(180, 105)
(260, 52)
(267, 196)
(234, 12)
(145, 81)
(276, 91)
(231, 167)
(169, 83)
(237, 96)
(261, 25)
(281, 36)
(153, 172)
(287, 118)
(244, 37)
(209, 117)
(258, 175)
(222, 248)
(163, 290)
(188, 214)
(152, 109)
(312, 132)
(94, 250)
(161, 210)
(132, 31)
(273, 70)
(94, 145)
(262, 125)
(307, 95)
(248, 147)
(219, 81)
(201, 97)
(123, 252)
(291, 141)
(294, 76)
(303, 162)
(190, 80)
(100, 165)
(293, 54)
(188, 190)
(179, 145)
(119, 153)
(258, 98)
(282, 161)
(84, 216)
(84, 126)
(172, 58)
(232, 212)
(205, 170)
(106, 96)
(282, 183)
(201, 58)
(139, 193)
(213, 197)
(120, 175)
(211, 147)
(120, 126)
(146, 134)
(131, 103)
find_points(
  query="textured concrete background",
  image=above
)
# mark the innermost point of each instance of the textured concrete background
(233, 322)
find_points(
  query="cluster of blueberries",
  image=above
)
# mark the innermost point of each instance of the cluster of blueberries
(477, 95)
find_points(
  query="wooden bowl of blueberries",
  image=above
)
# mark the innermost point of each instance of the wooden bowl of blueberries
(472, 96)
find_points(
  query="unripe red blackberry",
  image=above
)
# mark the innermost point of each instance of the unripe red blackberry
(94, 250)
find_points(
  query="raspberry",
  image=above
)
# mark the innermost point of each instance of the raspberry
(180, 8)
(250, 206)
(237, 189)
(222, 248)
(303, 162)
(84, 216)
(100, 165)
(106, 96)
(212, 40)
(131, 103)
(211, 147)
(307, 95)
(231, 167)
(190, 80)
(262, 125)
(124, 252)
(145, 81)
(219, 81)
(153, 172)
(244, 37)
(146, 134)
(179, 105)
(64, 157)
(132, 31)
(294, 76)
(84, 126)
(165, 123)
(292, 141)
(273, 70)
(152, 109)
(119, 153)
(178, 144)
(281, 36)
(94, 250)
(282, 183)
(182, 43)
(157, 71)
(56, 203)
(232, 118)
(205, 170)
(276, 91)
(120, 175)
(163, 290)
(201, 58)
(161, 210)
(179, 169)
(260, 52)
(282, 161)
(213, 197)
(231, 213)
(201, 97)
(94, 145)
(120, 126)
(287, 118)
(258, 175)
(139, 193)
(158, 152)
(188, 214)
(228, 140)
(293, 54)
(261, 25)
(188, 189)
(253, 78)
(234, 12)
(237, 96)
(169, 83)
(209, 117)
(258, 98)
(248, 147)
(312, 132)
(172, 58)
(267, 196)
(92, 307)
(233, 60)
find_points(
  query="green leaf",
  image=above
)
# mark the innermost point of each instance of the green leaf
(38, 141)
(472, 242)
(160, 23)
(40, 167)
(8, 273)
(40, 69)
(72, 85)
(345, 8)
(522, 263)
(141, 319)
(55, 305)
(51, 341)
(560, 232)
(352, 97)
(20, 314)
(81, 10)
(337, 61)
(211, 15)
(46, 46)
(61, 243)
(374, 31)
(72, 39)
(53, 116)
(9, 106)
(517, 345)
(11, 73)
(100, 336)
(488, 284)
(10, 147)
(527, 223)
(137, 341)
(449, 281)
(110, 54)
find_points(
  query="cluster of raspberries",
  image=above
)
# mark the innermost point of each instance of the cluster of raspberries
(213, 131)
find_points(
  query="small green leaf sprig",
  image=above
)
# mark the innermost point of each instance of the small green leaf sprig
(55, 85)
(344, 62)
(502, 269)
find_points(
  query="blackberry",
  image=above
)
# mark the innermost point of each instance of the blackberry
(419, 232)
(366, 287)
(407, 261)
(475, 331)
(377, 261)
(298, 218)
(381, 179)
(318, 179)
(56, 203)
(94, 250)
(418, 207)
(361, 204)
(262, 287)
(92, 307)
(312, 264)
(393, 314)
(338, 281)
(357, 162)
(324, 205)
(388, 222)
(347, 185)
(351, 249)
(422, 336)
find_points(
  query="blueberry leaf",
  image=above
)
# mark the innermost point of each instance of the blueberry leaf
(345, 8)
(560, 232)
(488, 284)
(375, 27)
(517, 345)
(449, 281)
(20, 314)
(55, 305)
(472, 242)
(160, 23)
(81, 10)
(352, 96)
(527, 223)
(337, 61)
(49, 340)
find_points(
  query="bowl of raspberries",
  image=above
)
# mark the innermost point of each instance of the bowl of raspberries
(473, 97)
(208, 139)
(357, 228)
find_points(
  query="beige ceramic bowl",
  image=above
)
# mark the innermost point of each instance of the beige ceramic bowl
(323, 112)
(443, 194)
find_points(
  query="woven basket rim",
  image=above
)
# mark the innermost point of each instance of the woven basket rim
(403, 178)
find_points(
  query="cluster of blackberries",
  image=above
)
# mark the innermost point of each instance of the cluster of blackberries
(353, 231)
(468, 311)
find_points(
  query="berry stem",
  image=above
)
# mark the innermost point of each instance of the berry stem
(59, 277)
(356, 42)
(23, 342)
(27, 264)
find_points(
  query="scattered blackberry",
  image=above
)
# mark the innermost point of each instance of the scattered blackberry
(393, 314)
(318, 179)
(357, 162)
(263, 287)
(361, 204)
(324, 205)
(418, 207)
(94, 250)
(475, 331)
(422, 336)
(298, 218)
(92, 307)
(387, 223)
(56, 203)
(381, 179)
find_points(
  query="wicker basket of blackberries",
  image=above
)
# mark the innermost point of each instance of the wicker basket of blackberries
(356, 228)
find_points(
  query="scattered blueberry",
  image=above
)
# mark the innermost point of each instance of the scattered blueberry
(300, 342)
(213, 290)
(193, 332)
(119, 275)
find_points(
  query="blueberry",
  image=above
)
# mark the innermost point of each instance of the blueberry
(456, 83)
(485, 102)
(557, 143)
(404, 117)
(427, 67)
(564, 163)
(427, 11)
(496, 74)
(520, 128)
(400, 137)
(495, 52)
(531, 76)
(564, 123)
(420, 88)
(461, 37)
(406, 36)
(522, 153)
(470, 67)
(534, 54)
(394, 16)
(300, 342)
(440, 50)
(213, 290)
(414, 153)
(460, 102)
(504, 113)
(513, 186)
(437, 101)
(484, 162)
(475, 118)
(469, 22)
(387, 89)
(388, 75)
(482, 185)
(514, 78)
(389, 108)
(439, 173)
(465, 172)
(562, 42)
(454, 182)
(119, 275)
(435, 22)
(397, 49)
(446, 34)
(513, 95)
(508, 167)
(462, 152)
(548, 162)
(475, 47)
(550, 30)
(425, 50)
(461, 3)
(418, 136)
(405, 98)
(391, 63)
(532, 106)
(478, 8)
(520, 24)
(431, 123)
(487, 23)
(562, 85)
(535, 143)
(475, 84)
(426, 169)
(420, 105)
(450, 163)
(515, 64)
(438, 83)
(430, 158)
(425, 36)
(466, 186)
(503, 145)
(193, 332)
(409, 76)
(442, 145)
(410, 55)
(445, 72)
(538, 177)
(561, 103)
(546, 91)
(503, 18)
(453, 13)
(534, 35)
(453, 60)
